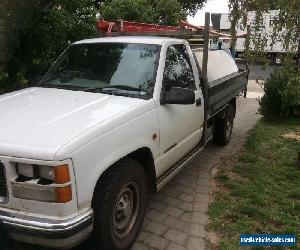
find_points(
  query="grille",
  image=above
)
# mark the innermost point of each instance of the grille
(3, 188)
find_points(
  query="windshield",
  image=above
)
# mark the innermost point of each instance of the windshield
(112, 68)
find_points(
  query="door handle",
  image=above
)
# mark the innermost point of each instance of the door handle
(198, 102)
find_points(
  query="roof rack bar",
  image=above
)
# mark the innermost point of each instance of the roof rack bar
(185, 30)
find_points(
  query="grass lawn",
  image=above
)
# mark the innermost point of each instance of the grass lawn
(260, 191)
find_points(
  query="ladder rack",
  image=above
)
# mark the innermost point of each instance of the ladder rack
(197, 36)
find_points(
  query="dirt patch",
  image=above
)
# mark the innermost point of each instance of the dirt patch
(292, 135)
(225, 164)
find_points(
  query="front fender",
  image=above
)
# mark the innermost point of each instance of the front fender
(91, 160)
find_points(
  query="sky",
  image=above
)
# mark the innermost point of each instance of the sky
(213, 6)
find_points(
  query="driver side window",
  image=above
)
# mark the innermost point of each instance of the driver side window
(178, 70)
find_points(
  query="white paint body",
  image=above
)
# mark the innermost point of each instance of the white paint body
(92, 131)
(220, 64)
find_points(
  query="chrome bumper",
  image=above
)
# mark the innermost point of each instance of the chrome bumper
(43, 231)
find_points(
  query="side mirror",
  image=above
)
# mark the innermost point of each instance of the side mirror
(179, 96)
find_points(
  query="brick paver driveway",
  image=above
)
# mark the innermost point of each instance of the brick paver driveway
(176, 216)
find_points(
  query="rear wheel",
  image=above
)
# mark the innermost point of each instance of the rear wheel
(119, 206)
(223, 127)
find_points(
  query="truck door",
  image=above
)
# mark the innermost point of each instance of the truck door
(180, 125)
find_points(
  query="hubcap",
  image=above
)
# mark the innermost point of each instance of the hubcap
(126, 210)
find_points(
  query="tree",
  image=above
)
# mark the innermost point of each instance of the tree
(35, 32)
(188, 6)
(282, 89)
(286, 25)
(166, 12)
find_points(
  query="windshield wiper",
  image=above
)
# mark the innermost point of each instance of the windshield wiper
(61, 86)
(127, 88)
(123, 87)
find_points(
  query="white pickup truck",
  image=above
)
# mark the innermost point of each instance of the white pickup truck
(112, 120)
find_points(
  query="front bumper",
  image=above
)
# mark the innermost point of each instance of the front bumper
(64, 233)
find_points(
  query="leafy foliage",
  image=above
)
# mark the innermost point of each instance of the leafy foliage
(286, 24)
(35, 32)
(282, 90)
(282, 93)
(167, 12)
(191, 6)
(188, 6)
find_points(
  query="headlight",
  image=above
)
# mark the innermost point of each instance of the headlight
(46, 172)
(42, 183)
(25, 170)
(57, 174)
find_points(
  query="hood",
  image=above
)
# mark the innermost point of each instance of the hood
(36, 122)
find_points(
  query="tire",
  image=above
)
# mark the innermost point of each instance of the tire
(223, 128)
(119, 205)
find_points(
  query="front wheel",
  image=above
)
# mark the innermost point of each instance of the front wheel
(119, 205)
(223, 127)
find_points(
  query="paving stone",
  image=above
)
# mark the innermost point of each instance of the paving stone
(170, 190)
(199, 218)
(191, 171)
(139, 246)
(186, 217)
(186, 197)
(203, 189)
(196, 244)
(200, 206)
(156, 216)
(186, 179)
(185, 206)
(173, 211)
(185, 189)
(174, 246)
(159, 196)
(146, 220)
(204, 176)
(171, 201)
(157, 205)
(181, 180)
(142, 235)
(203, 182)
(155, 241)
(197, 230)
(176, 236)
(177, 224)
(156, 228)
(202, 197)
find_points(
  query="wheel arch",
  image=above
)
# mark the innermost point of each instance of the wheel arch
(145, 157)
(232, 103)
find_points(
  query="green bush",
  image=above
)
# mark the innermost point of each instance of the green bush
(282, 93)
(33, 33)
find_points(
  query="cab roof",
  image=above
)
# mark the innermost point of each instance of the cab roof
(131, 39)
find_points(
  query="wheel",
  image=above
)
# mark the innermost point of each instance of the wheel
(223, 127)
(119, 205)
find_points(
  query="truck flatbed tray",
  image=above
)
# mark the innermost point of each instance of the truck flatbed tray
(221, 91)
